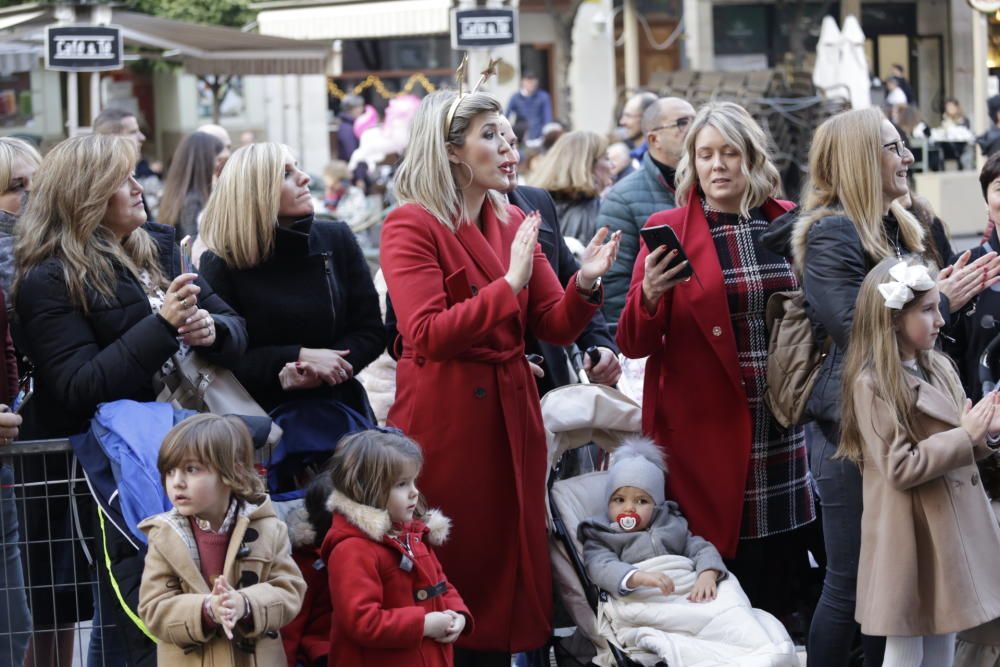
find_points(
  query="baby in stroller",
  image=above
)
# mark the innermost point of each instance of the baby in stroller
(615, 627)
(641, 524)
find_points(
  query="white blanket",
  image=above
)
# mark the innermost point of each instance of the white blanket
(726, 631)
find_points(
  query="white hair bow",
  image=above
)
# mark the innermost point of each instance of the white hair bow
(906, 279)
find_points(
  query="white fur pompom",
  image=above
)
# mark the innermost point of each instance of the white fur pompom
(642, 446)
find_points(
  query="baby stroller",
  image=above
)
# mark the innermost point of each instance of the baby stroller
(575, 416)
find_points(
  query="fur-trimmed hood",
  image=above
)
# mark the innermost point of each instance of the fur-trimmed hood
(301, 531)
(352, 519)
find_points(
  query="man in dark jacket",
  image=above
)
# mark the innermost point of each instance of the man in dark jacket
(531, 105)
(649, 190)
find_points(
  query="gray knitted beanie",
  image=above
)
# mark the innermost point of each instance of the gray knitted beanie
(638, 462)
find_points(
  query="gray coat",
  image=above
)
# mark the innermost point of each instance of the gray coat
(610, 553)
(626, 208)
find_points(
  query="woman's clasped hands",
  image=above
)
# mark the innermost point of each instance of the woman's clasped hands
(316, 367)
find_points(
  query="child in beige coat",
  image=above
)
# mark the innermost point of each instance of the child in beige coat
(929, 541)
(219, 581)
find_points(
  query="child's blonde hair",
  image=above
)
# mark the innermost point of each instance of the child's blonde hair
(221, 443)
(367, 464)
(874, 348)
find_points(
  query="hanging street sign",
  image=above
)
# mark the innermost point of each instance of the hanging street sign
(483, 28)
(83, 48)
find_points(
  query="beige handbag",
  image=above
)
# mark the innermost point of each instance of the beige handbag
(192, 383)
(793, 357)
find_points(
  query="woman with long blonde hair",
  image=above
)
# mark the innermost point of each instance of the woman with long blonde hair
(743, 481)
(18, 162)
(576, 171)
(928, 535)
(467, 282)
(303, 286)
(101, 305)
(851, 220)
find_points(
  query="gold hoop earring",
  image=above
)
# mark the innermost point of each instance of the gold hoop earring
(472, 177)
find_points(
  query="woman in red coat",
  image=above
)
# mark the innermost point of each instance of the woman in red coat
(740, 478)
(468, 282)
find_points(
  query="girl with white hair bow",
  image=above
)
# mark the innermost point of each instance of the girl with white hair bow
(928, 536)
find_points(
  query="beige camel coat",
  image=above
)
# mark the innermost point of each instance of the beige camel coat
(173, 591)
(929, 541)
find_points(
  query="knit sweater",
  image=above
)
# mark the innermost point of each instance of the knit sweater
(211, 551)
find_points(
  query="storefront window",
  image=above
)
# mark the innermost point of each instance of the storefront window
(233, 100)
(16, 107)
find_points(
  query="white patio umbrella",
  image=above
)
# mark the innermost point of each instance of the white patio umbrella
(854, 71)
(826, 73)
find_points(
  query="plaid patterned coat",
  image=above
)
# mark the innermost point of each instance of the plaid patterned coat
(731, 473)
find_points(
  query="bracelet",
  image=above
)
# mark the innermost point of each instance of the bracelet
(993, 441)
(585, 292)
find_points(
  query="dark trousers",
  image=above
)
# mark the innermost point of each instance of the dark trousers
(467, 658)
(833, 629)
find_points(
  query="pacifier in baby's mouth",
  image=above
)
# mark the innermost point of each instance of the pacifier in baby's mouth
(627, 520)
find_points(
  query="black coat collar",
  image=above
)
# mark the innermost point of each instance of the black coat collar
(293, 240)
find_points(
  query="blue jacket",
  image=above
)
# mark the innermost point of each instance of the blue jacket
(535, 110)
(626, 208)
(119, 455)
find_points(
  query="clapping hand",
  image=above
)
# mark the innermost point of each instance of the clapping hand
(231, 606)
(522, 252)
(598, 257)
(979, 420)
(962, 281)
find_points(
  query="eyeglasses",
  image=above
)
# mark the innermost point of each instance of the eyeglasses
(679, 124)
(897, 147)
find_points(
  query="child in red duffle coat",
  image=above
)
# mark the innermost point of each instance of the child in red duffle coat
(392, 604)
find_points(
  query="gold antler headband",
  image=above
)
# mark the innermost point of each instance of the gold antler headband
(491, 70)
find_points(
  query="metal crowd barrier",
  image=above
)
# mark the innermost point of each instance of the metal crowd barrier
(47, 606)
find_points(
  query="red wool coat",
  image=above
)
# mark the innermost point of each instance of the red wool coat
(379, 599)
(694, 404)
(465, 393)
